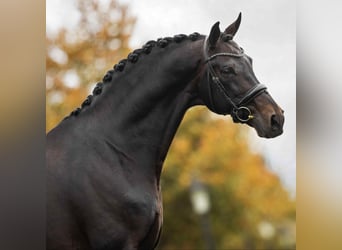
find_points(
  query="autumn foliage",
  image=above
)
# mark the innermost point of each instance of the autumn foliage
(77, 59)
(244, 193)
(212, 150)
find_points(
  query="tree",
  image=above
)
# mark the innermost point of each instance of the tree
(77, 59)
(243, 191)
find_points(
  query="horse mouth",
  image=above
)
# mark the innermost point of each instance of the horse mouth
(268, 126)
(268, 133)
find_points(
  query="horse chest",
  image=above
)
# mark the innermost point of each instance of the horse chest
(131, 221)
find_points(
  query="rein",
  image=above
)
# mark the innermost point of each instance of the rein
(239, 111)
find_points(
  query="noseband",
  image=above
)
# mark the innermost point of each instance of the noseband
(239, 111)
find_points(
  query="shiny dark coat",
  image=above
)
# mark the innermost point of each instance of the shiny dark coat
(104, 160)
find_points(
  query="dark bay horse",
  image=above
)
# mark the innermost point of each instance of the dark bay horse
(105, 159)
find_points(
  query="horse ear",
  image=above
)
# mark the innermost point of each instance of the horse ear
(214, 35)
(233, 28)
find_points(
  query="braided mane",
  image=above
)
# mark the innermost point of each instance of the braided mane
(133, 57)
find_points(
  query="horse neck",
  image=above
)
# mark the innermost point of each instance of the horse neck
(143, 106)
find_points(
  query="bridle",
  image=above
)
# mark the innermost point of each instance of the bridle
(239, 111)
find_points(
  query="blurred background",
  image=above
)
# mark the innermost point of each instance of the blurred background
(223, 187)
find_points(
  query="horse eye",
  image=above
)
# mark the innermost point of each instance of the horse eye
(228, 70)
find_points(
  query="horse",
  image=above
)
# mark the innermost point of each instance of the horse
(105, 159)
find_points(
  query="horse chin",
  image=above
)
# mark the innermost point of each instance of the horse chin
(268, 135)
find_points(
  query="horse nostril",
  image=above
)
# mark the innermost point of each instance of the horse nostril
(275, 122)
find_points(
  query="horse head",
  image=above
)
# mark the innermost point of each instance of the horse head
(229, 85)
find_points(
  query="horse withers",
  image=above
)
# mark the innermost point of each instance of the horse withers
(104, 160)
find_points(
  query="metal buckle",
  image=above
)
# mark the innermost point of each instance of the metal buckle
(243, 114)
